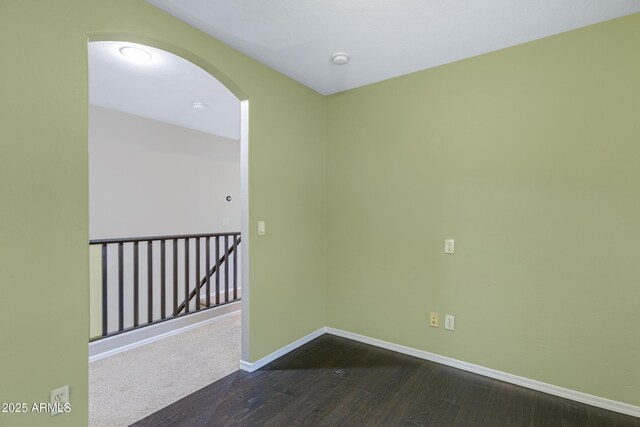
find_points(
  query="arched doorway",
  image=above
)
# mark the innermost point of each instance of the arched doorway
(169, 244)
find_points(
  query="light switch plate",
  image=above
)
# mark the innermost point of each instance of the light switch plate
(261, 228)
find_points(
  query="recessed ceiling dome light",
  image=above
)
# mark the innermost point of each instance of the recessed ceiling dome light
(199, 106)
(340, 58)
(135, 53)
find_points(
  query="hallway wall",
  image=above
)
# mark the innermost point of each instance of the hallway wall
(149, 178)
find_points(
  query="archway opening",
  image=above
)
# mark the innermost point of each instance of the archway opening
(168, 168)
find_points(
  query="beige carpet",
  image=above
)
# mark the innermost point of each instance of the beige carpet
(126, 387)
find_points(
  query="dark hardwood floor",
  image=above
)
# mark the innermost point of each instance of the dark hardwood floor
(333, 381)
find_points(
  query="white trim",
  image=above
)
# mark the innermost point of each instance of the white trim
(247, 366)
(250, 367)
(113, 345)
(600, 402)
(245, 329)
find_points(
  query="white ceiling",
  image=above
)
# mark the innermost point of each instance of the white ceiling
(385, 38)
(163, 89)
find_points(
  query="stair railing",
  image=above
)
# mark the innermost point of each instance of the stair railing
(172, 273)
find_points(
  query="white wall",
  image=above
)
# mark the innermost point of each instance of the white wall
(148, 178)
(151, 178)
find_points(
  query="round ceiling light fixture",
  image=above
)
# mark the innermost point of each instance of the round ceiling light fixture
(199, 106)
(135, 54)
(340, 58)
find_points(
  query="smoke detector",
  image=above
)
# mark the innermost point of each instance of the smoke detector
(340, 58)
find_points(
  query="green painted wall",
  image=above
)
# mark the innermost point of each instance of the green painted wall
(528, 157)
(44, 274)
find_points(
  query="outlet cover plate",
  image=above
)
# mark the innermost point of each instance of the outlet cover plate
(449, 246)
(434, 319)
(449, 322)
(59, 396)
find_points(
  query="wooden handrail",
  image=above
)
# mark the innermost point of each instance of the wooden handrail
(153, 238)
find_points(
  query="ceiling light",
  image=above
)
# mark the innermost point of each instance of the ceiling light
(135, 54)
(340, 58)
(199, 106)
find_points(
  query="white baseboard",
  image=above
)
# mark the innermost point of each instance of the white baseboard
(600, 402)
(577, 396)
(138, 337)
(250, 367)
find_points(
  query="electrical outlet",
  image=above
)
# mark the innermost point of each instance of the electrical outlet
(449, 322)
(59, 397)
(434, 319)
(449, 246)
